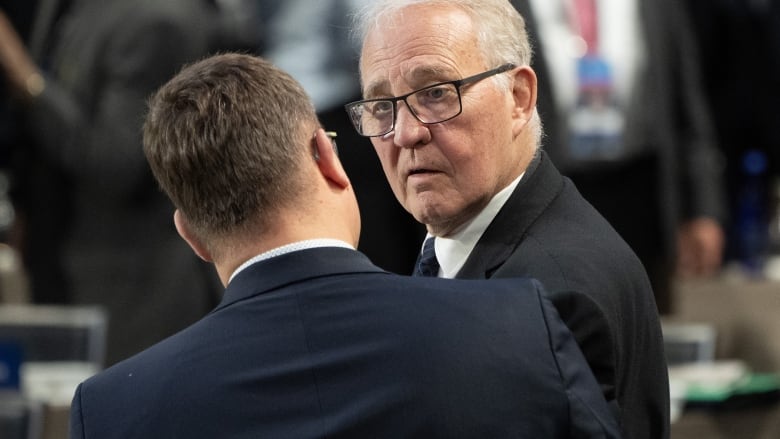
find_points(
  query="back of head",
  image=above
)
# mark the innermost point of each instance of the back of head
(224, 139)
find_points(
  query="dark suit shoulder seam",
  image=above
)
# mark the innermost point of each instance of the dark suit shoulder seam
(563, 376)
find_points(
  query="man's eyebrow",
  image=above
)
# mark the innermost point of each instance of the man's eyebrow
(376, 89)
(419, 77)
(430, 73)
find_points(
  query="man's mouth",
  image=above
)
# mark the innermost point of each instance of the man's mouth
(420, 176)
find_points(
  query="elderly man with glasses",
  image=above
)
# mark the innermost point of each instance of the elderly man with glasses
(450, 107)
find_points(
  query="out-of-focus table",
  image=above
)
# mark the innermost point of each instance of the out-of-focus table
(744, 312)
(55, 421)
(746, 315)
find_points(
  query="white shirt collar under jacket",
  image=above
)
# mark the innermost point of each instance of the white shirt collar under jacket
(452, 251)
(289, 248)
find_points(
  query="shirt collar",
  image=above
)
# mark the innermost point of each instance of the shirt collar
(452, 251)
(289, 248)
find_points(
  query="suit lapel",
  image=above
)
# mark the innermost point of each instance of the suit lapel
(541, 184)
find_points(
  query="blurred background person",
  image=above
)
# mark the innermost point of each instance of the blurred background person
(625, 118)
(93, 227)
(14, 286)
(311, 41)
(740, 46)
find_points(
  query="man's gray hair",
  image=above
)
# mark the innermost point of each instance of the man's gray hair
(501, 31)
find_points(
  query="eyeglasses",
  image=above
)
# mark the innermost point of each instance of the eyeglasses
(332, 136)
(433, 104)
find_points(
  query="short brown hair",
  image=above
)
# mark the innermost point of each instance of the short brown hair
(224, 139)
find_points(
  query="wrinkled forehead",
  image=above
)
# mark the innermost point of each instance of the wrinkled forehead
(415, 46)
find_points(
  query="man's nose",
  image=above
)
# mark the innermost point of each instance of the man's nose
(409, 131)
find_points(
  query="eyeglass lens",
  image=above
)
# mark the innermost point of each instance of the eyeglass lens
(433, 104)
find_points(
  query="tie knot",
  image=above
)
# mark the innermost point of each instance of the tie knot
(427, 264)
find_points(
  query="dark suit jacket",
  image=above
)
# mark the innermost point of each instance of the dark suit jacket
(322, 343)
(546, 230)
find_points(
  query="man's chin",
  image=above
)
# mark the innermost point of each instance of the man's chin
(435, 221)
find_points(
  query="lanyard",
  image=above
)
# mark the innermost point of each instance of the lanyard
(584, 17)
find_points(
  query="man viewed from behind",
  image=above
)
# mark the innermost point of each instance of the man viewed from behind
(311, 339)
(450, 107)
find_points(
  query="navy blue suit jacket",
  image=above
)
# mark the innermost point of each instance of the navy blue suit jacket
(322, 343)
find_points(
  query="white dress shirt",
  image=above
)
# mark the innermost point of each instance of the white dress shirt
(452, 251)
(289, 248)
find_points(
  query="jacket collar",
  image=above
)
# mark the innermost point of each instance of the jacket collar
(541, 184)
(298, 266)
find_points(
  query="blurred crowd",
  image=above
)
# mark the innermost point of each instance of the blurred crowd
(80, 207)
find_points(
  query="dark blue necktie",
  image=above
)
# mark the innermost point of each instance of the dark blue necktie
(427, 264)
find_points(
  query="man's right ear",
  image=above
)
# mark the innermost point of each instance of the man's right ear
(185, 231)
(326, 156)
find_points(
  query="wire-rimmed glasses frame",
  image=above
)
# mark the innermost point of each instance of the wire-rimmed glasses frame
(381, 113)
(331, 136)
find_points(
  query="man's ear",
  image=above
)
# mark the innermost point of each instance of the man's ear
(328, 161)
(524, 94)
(183, 227)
